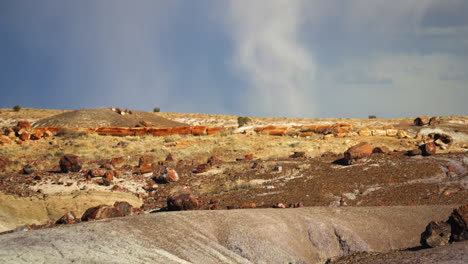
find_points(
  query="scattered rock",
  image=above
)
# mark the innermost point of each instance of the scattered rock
(458, 220)
(36, 135)
(214, 204)
(145, 165)
(95, 173)
(122, 144)
(69, 163)
(248, 205)
(4, 140)
(278, 168)
(299, 154)
(25, 136)
(213, 160)
(22, 125)
(117, 161)
(29, 168)
(204, 167)
(168, 175)
(67, 218)
(109, 175)
(435, 120)
(183, 200)
(171, 158)
(249, 156)
(279, 205)
(124, 207)
(256, 165)
(402, 134)
(101, 212)
(357, 152)
(381, 149)
(436, 234)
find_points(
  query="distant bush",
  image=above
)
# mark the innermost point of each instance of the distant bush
(243, 120)
(372, 117)
(16, 108)
(156, 109)
(68, 133)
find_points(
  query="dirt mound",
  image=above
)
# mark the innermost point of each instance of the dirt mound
(303, 235)
(103, 117)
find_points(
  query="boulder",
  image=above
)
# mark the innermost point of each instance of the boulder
(101, 212)
(145, 165)
(435, 120)
(392, 132)
(436, 234)
(458, 220)
(67, 218)
(357, 152)
(365, 133)
(414, 152)
(204, 167)
(421, 121)
(379, 132)
(29, 168)
(402, 134)
(23, 125)
(109, 175)
(168, 175)
(428, 149)
(69, 163)
(124, 207)
(183, 200)
(25, 136)
(36, 135)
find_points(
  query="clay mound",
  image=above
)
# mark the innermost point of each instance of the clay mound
(303, 235)
(104, 117)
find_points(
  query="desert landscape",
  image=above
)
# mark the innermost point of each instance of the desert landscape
(200, 188)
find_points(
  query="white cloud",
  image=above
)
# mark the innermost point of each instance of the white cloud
(270, 56)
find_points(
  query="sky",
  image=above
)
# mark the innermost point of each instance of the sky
(264, 58)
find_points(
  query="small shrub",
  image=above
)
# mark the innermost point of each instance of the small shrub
(16, 108)
(372, 117)
(68, 133)
(156, 109)
(243, 120)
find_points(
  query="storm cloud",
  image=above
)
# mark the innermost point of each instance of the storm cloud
(259, 58)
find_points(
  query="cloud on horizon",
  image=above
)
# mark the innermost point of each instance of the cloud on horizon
(262, 58)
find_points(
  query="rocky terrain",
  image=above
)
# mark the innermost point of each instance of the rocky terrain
(77, 167)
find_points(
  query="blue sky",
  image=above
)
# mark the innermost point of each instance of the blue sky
(296, 58)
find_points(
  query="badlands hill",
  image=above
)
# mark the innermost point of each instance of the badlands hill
(104, 117)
